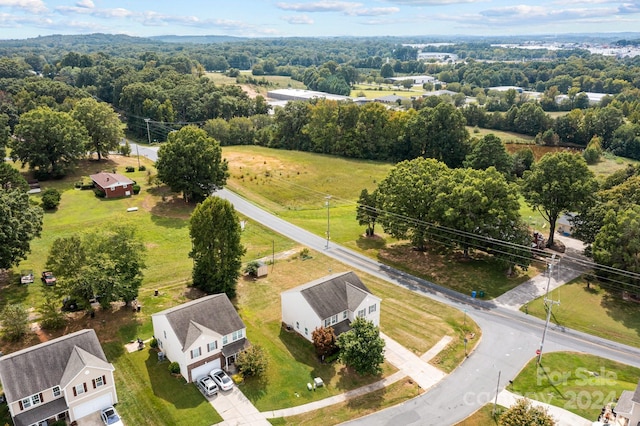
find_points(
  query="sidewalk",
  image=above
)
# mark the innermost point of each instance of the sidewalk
(236, 409)
(407, 363)
(560, 415)
(563, 271)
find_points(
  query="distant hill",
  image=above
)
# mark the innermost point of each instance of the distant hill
(207, 39)
(59, 40)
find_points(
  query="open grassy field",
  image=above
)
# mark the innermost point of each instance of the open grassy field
(579, 383)
(372, 91)
(294, 185)
(509, 138)
(274, 82)
(593, 310)
(162, 222)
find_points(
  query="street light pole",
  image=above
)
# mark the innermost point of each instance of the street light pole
(328, 199)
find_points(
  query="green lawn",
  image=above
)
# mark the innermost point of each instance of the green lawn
(594, 311)
(355, 407)
(372, 91)
(579, 383)
(511, 138)
(149, 395)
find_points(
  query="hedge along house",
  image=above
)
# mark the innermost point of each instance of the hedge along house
(113, 184)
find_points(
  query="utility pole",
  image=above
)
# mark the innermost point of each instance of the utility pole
(328, 199)
(495, 402)
(548, 303)
(146, 120)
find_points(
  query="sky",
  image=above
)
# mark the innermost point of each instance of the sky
(309, 18)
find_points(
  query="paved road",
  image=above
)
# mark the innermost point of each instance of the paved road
(509, 338)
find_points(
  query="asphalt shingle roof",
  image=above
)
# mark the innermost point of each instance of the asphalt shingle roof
(333, 294)
(34, 369)
(213, 312)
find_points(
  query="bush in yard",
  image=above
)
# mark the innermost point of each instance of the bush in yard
(50, 199)
(130, 169)
(142, 168)
(362, 347)
(153, 343)
(99, 193)
(174, 368)
(324, 340)
(136, 189)
(523, 413)
(252, 268)
(252, 361)
(15, 322)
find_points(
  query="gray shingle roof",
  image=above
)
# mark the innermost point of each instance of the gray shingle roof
(214, 312)
(50, 360)
(333, 294)
(44, 411)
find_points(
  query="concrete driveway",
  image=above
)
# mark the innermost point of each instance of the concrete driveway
(236, 409)
(91, 420)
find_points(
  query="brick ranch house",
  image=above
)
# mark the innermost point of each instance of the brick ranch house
(113, 184)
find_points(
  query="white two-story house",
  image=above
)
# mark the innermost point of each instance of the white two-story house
(200, 335)
(332, 301)
(65, 378)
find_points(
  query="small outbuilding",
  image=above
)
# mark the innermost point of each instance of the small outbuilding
(263, 269)
(113, 184)
(564, 225)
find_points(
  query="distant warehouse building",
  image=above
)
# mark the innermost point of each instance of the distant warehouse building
(303, 95)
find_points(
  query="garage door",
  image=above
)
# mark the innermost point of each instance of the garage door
(92, 406)
(205, 369)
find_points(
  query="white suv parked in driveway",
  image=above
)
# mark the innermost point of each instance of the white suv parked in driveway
(207, 386)
(224, 382)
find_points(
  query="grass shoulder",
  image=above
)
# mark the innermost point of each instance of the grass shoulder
(580, 383)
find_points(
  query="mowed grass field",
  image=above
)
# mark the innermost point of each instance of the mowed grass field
(162, 223)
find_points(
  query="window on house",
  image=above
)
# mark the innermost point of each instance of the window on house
(159, 343)
(236, 335)
(297, 325)
(306, 331)
(212, 346)
(327, 322)
(99, 382)
(225, 340)
(79, 389)
(56, 391)
(362, 312)
(35, 399)
(165, 334)
(26, 403)
(344, 315)
(334, 319)
(372, 308)
(113, 189)
(195, 353)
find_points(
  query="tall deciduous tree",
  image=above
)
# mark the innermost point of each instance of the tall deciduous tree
(10, 178)
(15, 321)
(362, 348)
(217, 251)
(191, 163)
(367, 211)
(49, 140)
(20, 222)
(407, 197)
(324, 340)
(617, 244)
(558, 183)
(106, 263)
(489, 151)
(102, 123)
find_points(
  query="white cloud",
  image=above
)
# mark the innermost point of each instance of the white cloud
(298, 19)
(320, 6)
(432, 2)
(376, 11)
(86, 3)
(33, 6)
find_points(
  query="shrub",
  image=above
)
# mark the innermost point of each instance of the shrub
(252, 268)
(142, 168)
(324, 340)
(99, 193)
(50, 199)
(153, 343)
(252, 361)
(174, 368)
(130, 169)
(237, 378)
(136, 189)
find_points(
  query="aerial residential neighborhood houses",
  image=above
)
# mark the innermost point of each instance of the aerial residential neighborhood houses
(332, 301)
(200, 335)
(65, 378)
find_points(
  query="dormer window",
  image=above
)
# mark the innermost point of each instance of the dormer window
(56, 391)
